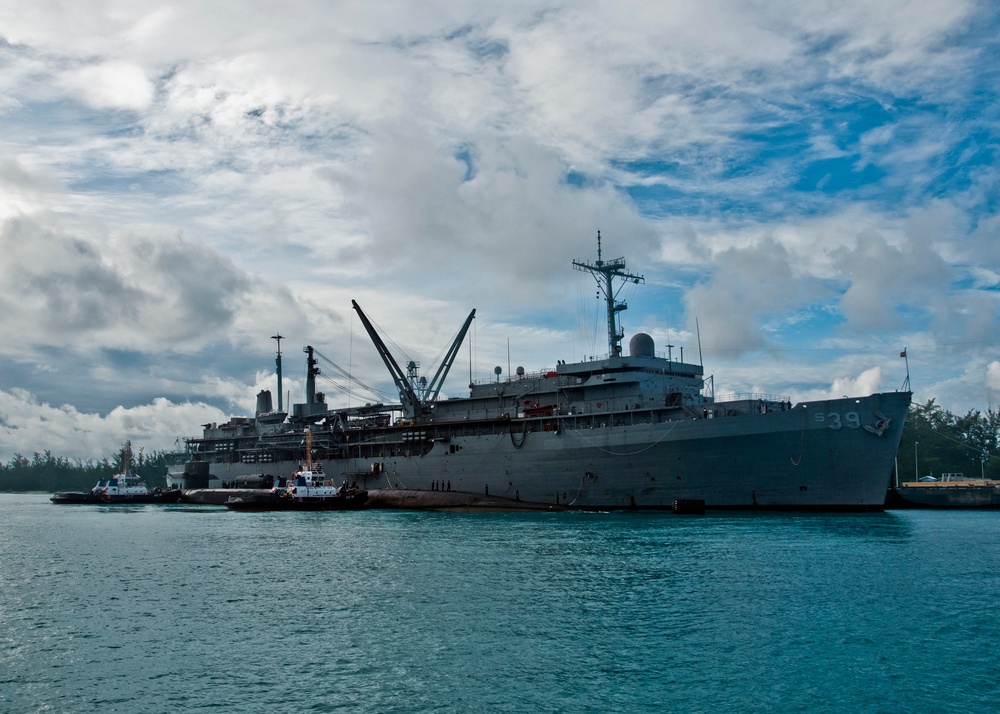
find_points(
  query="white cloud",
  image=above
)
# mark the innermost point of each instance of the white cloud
(993, 375)
(867, 382)
(28, 426)
(109, 85)
(182, 180)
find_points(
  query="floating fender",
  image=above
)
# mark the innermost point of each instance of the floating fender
(254, 481)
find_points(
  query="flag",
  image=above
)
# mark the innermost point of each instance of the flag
(903, 353)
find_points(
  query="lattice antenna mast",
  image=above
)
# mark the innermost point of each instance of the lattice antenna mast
(605, 273)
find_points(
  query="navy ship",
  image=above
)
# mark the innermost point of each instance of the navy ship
(632, 430)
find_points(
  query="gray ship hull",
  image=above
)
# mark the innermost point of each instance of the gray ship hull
(829, 455)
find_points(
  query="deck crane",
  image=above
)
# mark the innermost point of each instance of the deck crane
(414, 404)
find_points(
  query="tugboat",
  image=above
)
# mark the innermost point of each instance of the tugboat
(308, 490)
(122, 488)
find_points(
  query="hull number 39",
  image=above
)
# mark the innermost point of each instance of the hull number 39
(836, 420)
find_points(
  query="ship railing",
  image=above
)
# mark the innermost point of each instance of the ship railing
(541, 374)
(752, 397)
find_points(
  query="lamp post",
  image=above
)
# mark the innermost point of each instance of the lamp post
(916, 469)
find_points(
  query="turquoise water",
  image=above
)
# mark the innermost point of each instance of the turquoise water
(179, 608)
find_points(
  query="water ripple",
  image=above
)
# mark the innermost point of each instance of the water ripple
(161, 609)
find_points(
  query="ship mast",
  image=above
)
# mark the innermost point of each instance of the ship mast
(277, 364)
(604, 273)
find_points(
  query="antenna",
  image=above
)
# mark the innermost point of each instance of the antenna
(697, 329)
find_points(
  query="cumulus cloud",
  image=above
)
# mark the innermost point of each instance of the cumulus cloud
(881, 277)
(28, 426)
(867, 382)
(993, 375)
(503, 209)
(176, 185)
(110, 85)
(134, 291)
(748, 283)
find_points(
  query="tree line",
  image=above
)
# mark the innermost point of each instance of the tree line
(937, 442)
(46, 472)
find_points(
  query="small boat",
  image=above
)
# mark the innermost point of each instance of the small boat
(308, 490)
(123, 488)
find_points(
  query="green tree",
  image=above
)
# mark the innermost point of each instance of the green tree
(45, 472)
(936, 441)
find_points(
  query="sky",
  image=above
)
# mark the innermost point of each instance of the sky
(807, 188)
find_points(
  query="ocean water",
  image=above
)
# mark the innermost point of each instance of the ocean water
(181, 608)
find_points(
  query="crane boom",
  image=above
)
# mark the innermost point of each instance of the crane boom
(434, 388)
(414, 404)
(409, 399)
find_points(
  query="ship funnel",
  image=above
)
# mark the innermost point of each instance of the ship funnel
(264, 402)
